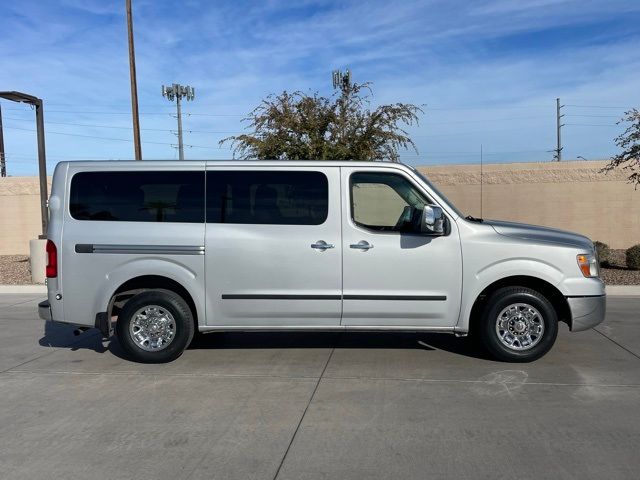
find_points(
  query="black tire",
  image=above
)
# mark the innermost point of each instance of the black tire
(505, 297)
(176, 307)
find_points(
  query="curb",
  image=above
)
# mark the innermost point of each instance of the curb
(623, 290)
(16, 289)
(612, 290)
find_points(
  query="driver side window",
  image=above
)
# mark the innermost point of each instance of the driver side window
(386, 202)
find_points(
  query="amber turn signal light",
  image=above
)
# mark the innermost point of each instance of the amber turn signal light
(588, 265)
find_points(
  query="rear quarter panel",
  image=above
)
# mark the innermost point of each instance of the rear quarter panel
(87, 280)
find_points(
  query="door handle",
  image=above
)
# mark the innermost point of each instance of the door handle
(322, 245)
(361, 245)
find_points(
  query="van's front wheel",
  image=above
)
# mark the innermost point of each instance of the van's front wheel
(155, 326)
(518, 324)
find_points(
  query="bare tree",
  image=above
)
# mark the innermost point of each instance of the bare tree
(298, 126)
(629, 142)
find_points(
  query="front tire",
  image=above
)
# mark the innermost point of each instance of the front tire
(155, 326)
(518, 324)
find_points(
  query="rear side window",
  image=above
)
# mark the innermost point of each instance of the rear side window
(267, 197)
(144, 196)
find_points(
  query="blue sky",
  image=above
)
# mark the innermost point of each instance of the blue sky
(487, 71)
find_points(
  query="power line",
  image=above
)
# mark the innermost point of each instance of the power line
(593, 106)
(215, 114)
(197, 114)
(470, 154)
(593, 124)
(427, 109)
(243, 132)
(114, 139)
(230, 132)
(91, 125)
(426, 106)
(52, 160)
(592, 116)
(484, 107)
(95, 112)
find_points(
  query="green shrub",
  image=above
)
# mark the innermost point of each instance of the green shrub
(604, 252)
(633, 257)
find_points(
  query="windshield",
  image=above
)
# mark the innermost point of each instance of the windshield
(438, 192)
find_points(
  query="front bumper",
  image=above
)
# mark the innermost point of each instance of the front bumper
(586, 312)
(44, 310)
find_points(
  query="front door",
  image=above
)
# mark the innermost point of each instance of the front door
(392, 274)
(273, 246)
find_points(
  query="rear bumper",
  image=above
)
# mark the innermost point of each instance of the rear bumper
(587, 312)
(44, 310)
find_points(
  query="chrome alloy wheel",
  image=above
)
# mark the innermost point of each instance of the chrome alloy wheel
(152, 328)
(520, 326)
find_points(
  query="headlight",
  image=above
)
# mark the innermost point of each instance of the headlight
(588, 264)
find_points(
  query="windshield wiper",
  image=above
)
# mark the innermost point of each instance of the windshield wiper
(473, 219)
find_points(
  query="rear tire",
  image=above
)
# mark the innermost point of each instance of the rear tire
(518, 325)
(155, 326)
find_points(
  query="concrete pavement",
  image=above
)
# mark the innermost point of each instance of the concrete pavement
(297, 406)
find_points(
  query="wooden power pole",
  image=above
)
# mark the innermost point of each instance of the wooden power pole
(134, 86)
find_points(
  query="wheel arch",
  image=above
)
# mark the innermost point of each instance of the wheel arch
(551, 292)
(142, 283)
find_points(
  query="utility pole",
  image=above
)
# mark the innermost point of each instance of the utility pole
(481, 179)
(558, 155)
(177, 91)
(134, 85)
(3, 165)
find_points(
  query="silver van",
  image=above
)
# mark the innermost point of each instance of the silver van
(154, 251)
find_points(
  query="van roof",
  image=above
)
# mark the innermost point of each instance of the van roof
(226, 163)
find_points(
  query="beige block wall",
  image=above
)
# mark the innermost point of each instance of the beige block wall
(572, 196)
(569, 195)
(19, 214)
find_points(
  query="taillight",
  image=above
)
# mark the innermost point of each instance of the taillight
(52, 260)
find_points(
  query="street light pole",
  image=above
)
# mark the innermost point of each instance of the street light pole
(3, 165)
(42, 167)
(42, 159)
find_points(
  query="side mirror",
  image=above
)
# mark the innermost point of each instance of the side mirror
(432, 220)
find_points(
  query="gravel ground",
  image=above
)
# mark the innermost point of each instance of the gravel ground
(14, 270)
(617, 273)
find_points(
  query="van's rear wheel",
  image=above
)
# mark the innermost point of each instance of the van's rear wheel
(518, 324)
(155, 326)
